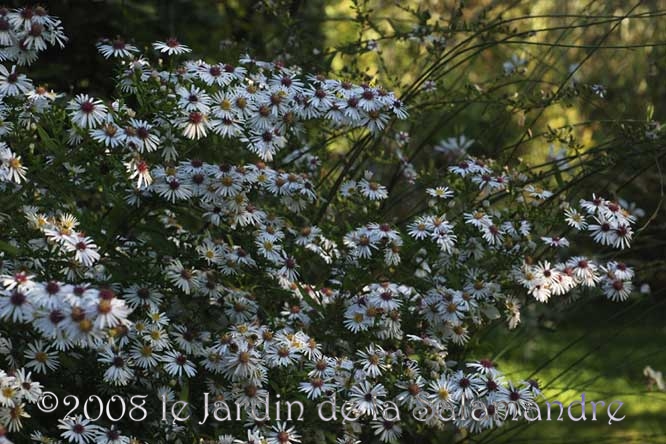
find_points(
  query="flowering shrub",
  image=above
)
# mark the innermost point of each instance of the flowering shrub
(184, 238)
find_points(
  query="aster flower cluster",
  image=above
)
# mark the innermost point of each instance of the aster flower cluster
(183, 246)
(61, 232)
(11, 168)
(611, 223)
(16, 391)
(24, 33)
(63, 315)
(257, 103)
(612, 227)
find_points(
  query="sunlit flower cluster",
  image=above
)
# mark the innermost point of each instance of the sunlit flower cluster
(257, 103)
(61, 232)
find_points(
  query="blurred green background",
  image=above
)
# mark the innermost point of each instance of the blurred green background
(592, 346)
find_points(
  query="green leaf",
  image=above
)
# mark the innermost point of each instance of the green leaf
(8, 248)
(185, 391)
(46, 140)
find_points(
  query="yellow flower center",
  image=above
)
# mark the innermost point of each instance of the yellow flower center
(8, 392)
(14, 163)
(86, 325)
